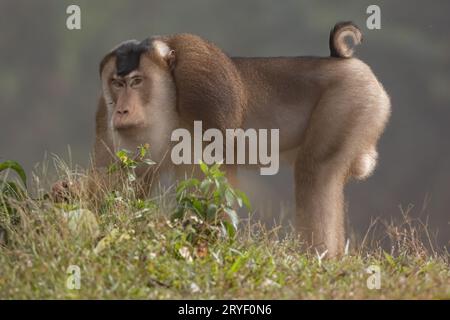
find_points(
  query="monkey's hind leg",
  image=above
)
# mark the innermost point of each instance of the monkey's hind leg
(322, 168)
(320, 204)
(339, 143)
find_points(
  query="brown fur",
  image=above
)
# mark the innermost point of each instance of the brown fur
(200, 69)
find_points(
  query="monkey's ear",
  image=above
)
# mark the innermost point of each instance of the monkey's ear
(166, 53)
(170, 59)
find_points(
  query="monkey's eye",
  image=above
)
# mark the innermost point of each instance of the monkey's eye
(135, 82)
(117, 84)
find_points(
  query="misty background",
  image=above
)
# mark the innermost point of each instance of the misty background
(49, 84)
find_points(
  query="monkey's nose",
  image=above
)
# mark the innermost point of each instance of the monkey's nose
(122, 112)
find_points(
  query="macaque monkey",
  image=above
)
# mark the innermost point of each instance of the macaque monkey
(330, 112)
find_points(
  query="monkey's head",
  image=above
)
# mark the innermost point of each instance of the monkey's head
(137, 85)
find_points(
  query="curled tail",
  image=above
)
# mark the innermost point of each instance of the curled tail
(338, 47)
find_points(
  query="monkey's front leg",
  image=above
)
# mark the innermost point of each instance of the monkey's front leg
(93, 183)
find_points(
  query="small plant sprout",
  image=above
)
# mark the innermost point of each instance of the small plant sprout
(321, 256)
(212, 200)
(129, 161)
(347, 247)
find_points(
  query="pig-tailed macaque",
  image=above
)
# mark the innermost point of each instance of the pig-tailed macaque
(330, 112)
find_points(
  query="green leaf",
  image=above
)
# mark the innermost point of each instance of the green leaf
(198, 207)
(204, 167)
(143, 150)
(239, 201)
(215, 170)
(204, 186)
(148, 162)
(214, 167)
(237, 264)
(122, 154)
(179, 213)
(229, 197)
(113, 168)
(390, 259)
(183, 185)
(243, 197)
(211, 212)
(13, 165)
(217, 196)
(233, 217)
(228, 228)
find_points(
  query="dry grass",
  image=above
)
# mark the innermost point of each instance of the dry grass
(128, 247)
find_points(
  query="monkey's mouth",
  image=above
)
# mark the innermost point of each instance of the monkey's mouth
(128, 126)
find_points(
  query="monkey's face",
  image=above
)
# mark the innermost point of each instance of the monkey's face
(130, 95)
(137, 87)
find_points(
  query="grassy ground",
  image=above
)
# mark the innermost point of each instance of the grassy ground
(129, 248)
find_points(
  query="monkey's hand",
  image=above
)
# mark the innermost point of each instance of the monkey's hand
(64, 190)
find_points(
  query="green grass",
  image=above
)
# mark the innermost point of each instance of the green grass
(128, 247)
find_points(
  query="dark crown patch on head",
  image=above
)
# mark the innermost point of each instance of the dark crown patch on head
(128, 56)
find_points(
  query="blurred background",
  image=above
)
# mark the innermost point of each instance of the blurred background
(49, 85)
